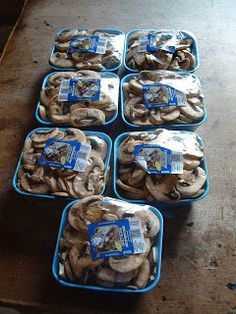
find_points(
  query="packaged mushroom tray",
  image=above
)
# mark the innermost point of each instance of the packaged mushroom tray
(78, 99)
(161, 49)
(94, 49)
(109, 245)
(63, 163)
(162, 98)
(160, 166)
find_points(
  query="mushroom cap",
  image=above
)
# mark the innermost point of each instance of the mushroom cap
(190, 182)
(129, 263)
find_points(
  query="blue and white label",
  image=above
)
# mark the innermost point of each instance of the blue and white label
(65, 154)
(155, 159)
(161, 95)
(91, 43)
(77, 89)
(161, 41)
(116, 238)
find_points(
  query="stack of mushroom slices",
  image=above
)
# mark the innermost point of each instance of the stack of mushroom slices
(35, 179)
(81, 113)
(189, 112)
(75, 261)
(61, 58)
(136, 183)
(182, 59)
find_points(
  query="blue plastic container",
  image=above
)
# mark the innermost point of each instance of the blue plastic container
(161, 205)
(104, 136)
(187, 127)
(158, 246)
(50, 124)
(107, 30)
(188, 35)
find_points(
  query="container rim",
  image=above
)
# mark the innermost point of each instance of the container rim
(160, 204)
(179, 126)
(104, 289)
(190, 34)
(102, 135)
(118, 31)
(48, 123)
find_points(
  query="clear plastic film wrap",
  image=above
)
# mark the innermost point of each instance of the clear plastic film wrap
(82, 49)
(164, 49)
(61, 103)
(66, 163)
(109, 243)
(174, 98)
(161, 166)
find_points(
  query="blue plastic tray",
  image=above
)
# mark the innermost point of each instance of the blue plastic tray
(186, 33)
(98, 288)
(108, 30)
(161, 205)
(104, 136)
(188, 126)
(50, 124)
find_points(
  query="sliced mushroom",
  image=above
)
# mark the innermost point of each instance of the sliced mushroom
(143, 275)
(81, 260)
(150, 223)
(190, 182)
(129, 263)
(86, 116)
(60, 59)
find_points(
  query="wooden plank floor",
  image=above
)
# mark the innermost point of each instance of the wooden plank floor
(199, 247)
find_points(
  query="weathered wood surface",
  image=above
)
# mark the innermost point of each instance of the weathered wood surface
(199, 246)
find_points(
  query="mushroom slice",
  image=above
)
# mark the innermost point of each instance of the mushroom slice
(190, 162)
(36, 187)
(61, 60)
(143, 275)
(30, 158)
(81, 260)
(115, 278)
(88, 73)
(56, 78)
(189, 56)
(129, 263)
(138, 192)
(62, 47)
(90, 182)
(137, 176)
(190, 182)
(161, 188)
(51, 182)
(98, 145)
(66, 35)
(46, 95)
(87, 116)
(136, 86)
(77, 215)
(150, 223)
(75, 135)
(171, 116)
(109, 217)
(41, 136)
(72, 237)
(156, 117)
(192, 112)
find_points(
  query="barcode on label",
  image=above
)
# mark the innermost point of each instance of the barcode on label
(82, 157)
(143, 44)
(64, 90)
(101, 45)
(176, 163)
(137, 235)
(176, 157)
